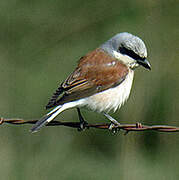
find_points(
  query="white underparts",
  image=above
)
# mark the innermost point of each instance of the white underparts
(113, 98)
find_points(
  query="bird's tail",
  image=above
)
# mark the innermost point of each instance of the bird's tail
(47, 118)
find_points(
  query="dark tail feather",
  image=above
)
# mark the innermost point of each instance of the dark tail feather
(39, 124)
(46, 119)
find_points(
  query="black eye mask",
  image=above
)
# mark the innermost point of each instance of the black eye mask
(130, 53)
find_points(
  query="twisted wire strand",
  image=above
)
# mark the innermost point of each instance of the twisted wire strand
(126, 127)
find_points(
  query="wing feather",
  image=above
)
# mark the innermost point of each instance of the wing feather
(96, 72)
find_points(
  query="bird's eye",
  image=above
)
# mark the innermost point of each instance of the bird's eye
(130, 53)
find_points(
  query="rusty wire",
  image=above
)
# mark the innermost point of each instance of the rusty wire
(126, 127)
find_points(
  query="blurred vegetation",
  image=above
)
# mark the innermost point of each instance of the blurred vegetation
(40, 43)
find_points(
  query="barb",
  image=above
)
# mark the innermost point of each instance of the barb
(126, 127)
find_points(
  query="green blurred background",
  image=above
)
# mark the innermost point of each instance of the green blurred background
(40, 43)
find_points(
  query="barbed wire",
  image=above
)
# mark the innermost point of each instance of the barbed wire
(126, 127)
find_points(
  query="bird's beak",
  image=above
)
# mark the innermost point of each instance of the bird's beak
(144, 63)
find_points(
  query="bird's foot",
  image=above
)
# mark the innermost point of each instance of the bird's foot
(138, 125)
(83, 125)
(114, 128)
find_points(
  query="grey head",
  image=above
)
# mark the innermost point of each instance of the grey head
(127, 48)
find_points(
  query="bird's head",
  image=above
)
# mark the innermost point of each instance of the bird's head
(129, 49)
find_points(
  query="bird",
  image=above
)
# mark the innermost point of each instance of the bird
(102, 80)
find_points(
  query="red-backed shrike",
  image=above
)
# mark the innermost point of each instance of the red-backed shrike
(102, 80)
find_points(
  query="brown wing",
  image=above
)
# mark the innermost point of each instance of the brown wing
(96, 72)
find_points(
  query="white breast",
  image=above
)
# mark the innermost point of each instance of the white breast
(111, 99)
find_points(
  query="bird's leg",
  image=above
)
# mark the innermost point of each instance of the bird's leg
(114, 123)
(83, 123)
